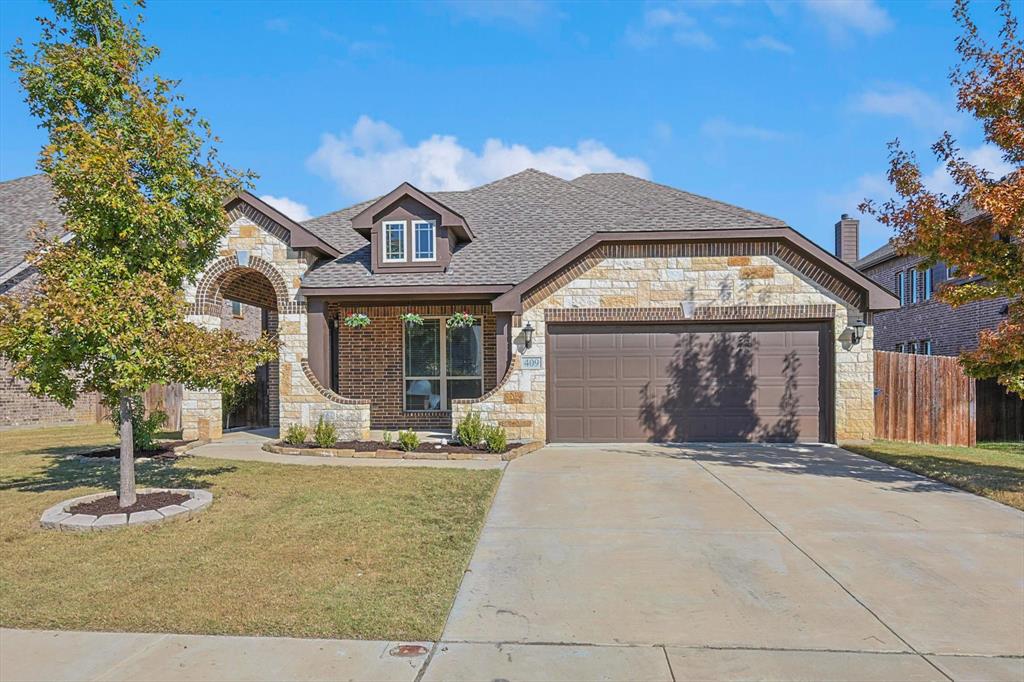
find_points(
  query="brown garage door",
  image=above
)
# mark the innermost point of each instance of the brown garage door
(695, 382)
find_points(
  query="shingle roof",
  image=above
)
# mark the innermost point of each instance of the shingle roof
(24, 203)
(879, 255)
(524, 221)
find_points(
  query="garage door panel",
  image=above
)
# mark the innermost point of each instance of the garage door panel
(686, 382)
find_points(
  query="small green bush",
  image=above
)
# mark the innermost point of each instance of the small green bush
(496, 438)
(296, 434)
(408, 440)
(388, 437)
(470, 431)
(144, 429)
(326, 433)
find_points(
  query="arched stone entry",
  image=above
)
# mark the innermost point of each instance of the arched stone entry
(258, 266)
(250, 281)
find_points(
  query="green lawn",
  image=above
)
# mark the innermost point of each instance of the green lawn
(995, 470)
(368, 553)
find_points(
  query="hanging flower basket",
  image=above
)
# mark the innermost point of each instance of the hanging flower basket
(461, 320)
(357, 320)
(412, 320)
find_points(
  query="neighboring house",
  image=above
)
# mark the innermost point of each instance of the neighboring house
(608, 308)
(25, 204)
(923, 324)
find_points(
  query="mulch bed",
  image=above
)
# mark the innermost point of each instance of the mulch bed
(373, 446)
(163, 451)
(144, 502)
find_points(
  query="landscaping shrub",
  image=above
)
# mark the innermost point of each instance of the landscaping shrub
(144, 429)
(408, 440)
(296, 434)
(388, 437)
(496, 438)
(470, 430)
(326, 433)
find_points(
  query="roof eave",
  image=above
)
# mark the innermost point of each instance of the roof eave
(300, 237)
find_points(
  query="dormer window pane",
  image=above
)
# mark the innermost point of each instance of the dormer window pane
(394, 241)
(423, 234)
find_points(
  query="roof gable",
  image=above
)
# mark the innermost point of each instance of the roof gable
(298, 236)
(362, 221)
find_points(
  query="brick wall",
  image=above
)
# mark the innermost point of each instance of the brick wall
(950, 330)
(370, 361)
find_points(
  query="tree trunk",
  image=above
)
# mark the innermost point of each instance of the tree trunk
(126, 494)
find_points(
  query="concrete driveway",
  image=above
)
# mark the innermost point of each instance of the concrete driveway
(743, 562)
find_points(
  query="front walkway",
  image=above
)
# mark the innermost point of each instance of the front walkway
(248, 446)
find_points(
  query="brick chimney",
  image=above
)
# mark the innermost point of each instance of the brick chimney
(848, 239)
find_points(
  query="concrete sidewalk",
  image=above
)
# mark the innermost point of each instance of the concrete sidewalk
(40, 655)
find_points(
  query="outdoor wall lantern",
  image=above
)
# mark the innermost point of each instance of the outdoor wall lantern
(688, 308)
(857, 331)
(528, 335)
(243, 258)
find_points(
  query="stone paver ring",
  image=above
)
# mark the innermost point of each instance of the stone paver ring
(58, 517)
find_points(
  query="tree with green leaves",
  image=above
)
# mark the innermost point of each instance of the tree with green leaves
(136, 175)
(979, 228)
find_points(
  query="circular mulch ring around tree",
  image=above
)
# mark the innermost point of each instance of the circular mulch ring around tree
(100, 511)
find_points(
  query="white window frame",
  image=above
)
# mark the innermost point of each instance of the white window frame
(433, 240)
(442, 377)
(914, 280)
(925, 346)
(901, 287)
(385, 228)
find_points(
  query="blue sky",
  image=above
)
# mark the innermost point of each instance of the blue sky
(783, 108)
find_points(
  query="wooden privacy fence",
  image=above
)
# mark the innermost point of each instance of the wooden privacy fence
(924, 399)
(156, 397)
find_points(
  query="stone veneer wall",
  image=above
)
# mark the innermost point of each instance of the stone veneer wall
(634, 278)
(302, 400)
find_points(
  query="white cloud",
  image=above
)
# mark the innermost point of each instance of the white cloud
(844, 17)
(910, 103)
(987, 156)
(721, 128)
(662, 24)
(373, 158)
(293, 209)
(769, 43)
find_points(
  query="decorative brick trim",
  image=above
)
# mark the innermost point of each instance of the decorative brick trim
(208, 291)
(694, 249)
(512, 367)
(701, 314)
(323, 390)
(244, 210)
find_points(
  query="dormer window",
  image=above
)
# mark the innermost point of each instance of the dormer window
(424, 240)
(394, 241)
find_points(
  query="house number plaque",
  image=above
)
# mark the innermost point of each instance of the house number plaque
(533, 362)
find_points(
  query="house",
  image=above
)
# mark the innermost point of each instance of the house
(923, 324)
(606, 308)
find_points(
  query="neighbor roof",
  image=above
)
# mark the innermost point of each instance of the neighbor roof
(879, 255)
(24, 204)
(524, 221)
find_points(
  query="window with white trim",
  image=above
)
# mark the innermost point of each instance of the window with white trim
(899, 347)
(913, 285)
(394, 241)
(423, 240)
(441, 364)
(928, 284)
(925, 347)
(900, 288)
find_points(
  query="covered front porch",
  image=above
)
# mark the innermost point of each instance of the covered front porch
(408, 371)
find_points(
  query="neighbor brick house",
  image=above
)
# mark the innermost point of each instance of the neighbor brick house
(607, 308)
(923, 324)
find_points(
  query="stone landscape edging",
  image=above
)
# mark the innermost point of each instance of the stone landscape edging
(279, 448)
(58, 518)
